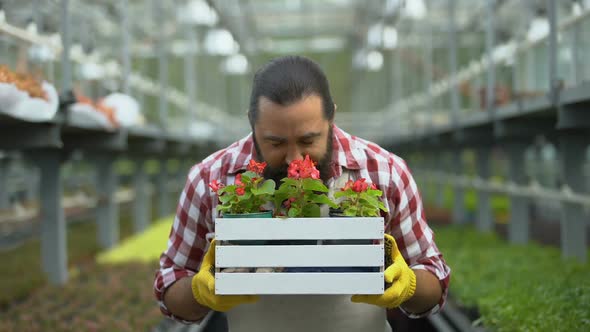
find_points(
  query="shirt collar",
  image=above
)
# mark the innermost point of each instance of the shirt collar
(344, 148)
(244, 150)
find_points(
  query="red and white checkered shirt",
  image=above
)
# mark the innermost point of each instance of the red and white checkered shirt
(194, 224)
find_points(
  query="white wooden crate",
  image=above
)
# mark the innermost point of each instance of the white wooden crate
(228, 253)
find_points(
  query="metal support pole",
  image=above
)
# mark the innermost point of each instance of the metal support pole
(107, 210)
(36, 16)
(518, 231)
(32, 183)
(125, 42)
(490, 44)
(141, 204)
(164, 196)
(573, 223)
(182, 172)
(53, 224)
(577, 63)
(4, 194)
(66, 67)
(141, 95)
(485, 221)
(162, 67)
(440, 187)
(189, 74)
(223, 102)
(429, 75)
(554, 81)
(453, 64)
(457, 167)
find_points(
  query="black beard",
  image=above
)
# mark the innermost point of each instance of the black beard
(324, 165)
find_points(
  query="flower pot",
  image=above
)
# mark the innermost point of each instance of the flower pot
(262, 214)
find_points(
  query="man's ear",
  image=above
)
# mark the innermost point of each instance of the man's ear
(335, 107)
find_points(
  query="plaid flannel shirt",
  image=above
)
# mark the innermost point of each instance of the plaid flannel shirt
(194, 221)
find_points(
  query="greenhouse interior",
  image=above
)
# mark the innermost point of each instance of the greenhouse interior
(116, 115)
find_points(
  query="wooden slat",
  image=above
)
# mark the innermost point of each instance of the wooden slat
(299, 255)
(298, 228)
(299, 283)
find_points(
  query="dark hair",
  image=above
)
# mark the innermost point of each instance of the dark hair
(286, 80)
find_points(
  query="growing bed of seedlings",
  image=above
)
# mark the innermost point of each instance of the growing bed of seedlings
(506, 287)
(97, 297)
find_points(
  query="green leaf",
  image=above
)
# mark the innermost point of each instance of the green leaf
(249, 175)
(289, 182)
(368, 199)
(351, 211)
(246, 196)
(322, 199)
(369, 212)
(346, 193)
(374, 192)
(268, 187)
(225, 198)
(315, 185)
(293, 212)
(311, 210)
(222, 208)
(227, 189)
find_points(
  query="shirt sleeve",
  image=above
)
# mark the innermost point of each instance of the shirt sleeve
(415, 240)
(187, 241)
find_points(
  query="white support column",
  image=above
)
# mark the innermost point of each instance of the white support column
(54, 256)
(163, 193)
(441, 160)
(141, 203)
(518, 231)
(107, 210)
(4, 194)
(32, 183)
(573, 224)
(459, 215)
(485, 220)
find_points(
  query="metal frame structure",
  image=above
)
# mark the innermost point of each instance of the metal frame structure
(560, 115)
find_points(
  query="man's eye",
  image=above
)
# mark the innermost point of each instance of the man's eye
(307, 143)
(276, 144)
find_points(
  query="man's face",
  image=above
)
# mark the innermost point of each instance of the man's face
(286, 133)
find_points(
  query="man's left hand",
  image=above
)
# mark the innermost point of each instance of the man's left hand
(400, 280)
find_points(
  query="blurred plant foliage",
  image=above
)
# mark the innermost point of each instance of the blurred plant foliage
(516, 287)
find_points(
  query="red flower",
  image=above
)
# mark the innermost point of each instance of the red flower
(215, 186)
(303, 169)
(293, 170)
(240, 191)
(238, 181)
(353, 199)
(315, 174)
(347, 186)
(360, 185)
(256, 167)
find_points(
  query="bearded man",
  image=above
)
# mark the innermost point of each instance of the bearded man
(291, 114)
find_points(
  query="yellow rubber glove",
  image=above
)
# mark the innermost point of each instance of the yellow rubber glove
(203, 286)
(400, 280)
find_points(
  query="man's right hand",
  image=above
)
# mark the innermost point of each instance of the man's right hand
(203, 286)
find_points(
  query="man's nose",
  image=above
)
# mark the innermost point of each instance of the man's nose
(294, 153)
